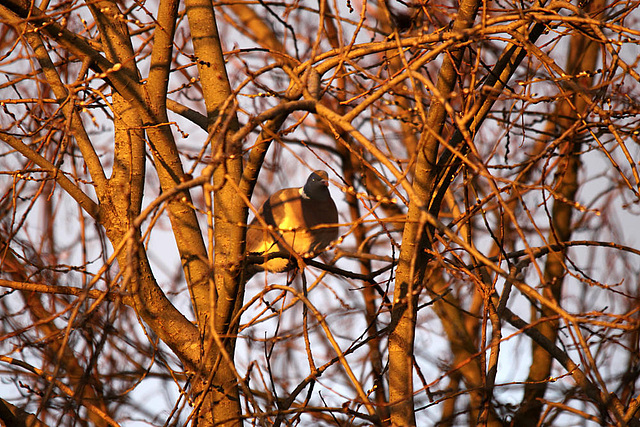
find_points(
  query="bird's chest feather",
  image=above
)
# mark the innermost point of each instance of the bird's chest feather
(305, 214)
(303, 223)
(291, 216)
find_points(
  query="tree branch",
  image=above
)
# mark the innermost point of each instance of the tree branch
(73, 190)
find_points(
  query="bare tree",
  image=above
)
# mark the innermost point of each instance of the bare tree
(484, 159)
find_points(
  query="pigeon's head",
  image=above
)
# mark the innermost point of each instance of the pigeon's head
(316, 186)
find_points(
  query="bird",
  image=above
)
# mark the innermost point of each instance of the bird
(305, 218)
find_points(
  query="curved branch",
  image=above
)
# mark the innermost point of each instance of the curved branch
(73, 190)
(188, 113)
(60, 290)
(60, 385)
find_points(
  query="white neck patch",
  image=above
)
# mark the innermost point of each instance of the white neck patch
(303, 194)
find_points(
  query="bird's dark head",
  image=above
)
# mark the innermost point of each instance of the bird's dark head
(316, 186)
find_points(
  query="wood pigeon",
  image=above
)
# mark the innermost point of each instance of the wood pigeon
(306, 218)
